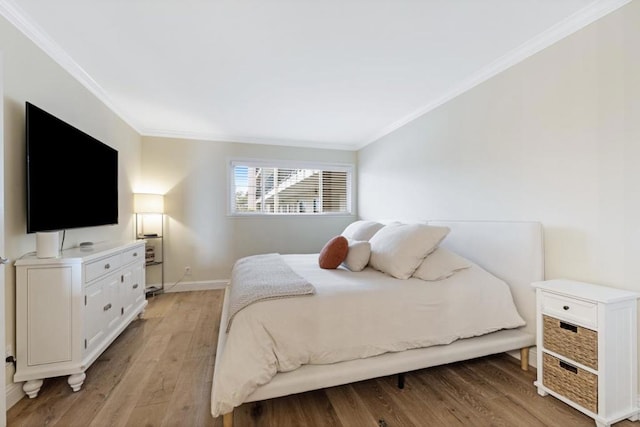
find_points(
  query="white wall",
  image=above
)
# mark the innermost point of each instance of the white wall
(31, 75)
(554, 139)
(194, 176)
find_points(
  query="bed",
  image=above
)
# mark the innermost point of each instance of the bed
(509, 252)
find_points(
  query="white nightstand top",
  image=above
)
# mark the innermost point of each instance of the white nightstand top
(589, 291)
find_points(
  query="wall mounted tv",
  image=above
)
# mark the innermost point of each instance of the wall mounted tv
(72, 178)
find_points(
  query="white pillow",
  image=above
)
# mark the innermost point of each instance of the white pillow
(361, 230)
(440, 264)
(358, 255)
(398, 249)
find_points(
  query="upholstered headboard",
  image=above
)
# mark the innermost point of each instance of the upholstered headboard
(511, 250)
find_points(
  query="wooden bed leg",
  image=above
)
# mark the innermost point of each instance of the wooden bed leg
(524, 358)
(401, 381)
(227, 420)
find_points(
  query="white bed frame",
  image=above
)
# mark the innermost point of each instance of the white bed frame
(512, 251)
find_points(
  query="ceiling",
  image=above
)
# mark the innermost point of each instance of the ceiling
(319, 73)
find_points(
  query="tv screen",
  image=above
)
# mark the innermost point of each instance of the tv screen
(72, 178)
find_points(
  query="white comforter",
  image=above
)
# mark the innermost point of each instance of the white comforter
(354, 315)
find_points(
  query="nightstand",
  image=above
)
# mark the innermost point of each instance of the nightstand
(587, 351)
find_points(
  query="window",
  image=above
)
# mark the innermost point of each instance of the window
(265, 188)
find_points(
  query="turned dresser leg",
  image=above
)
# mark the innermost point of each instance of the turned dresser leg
(524, 358)
(32, 387)
(227, 419)
(76, 380)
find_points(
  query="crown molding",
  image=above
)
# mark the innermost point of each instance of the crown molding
(16, 16)
(564, 28)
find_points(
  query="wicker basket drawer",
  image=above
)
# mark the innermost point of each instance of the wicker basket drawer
(575, 384)
(574, 342)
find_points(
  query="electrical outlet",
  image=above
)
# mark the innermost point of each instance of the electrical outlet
(187, 271)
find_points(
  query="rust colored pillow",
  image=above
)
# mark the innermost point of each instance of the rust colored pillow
(334, 252)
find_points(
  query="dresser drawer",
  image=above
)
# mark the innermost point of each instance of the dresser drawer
(571, 309)
(572, 341)
(575, 384)
(100, 267)
(132, 255)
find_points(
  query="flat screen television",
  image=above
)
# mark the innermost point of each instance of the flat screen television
(72, 178)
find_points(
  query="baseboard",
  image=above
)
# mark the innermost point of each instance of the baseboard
(14, 394)
(197, 286)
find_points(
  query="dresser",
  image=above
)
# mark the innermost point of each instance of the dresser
(69, 309)
(587, 348)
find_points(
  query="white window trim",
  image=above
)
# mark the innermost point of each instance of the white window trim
(290, 164)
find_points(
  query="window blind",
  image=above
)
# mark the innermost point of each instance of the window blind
(269, 189)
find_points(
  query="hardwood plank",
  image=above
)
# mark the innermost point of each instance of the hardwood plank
(149, 415)
(452, 412)
(497, 406)
(205, 338)
(51, 404)
(519, 387)
(290, 410)
(472, 394)
(159, 372)
(479, 385)
(379, 404)
(101, 378)
(122, 397)
(247, 414)
(412, 401)
(158, 305)
(165, 373)
(349, 407)
(317, 409)
(282, 412)
(116, 410)
(134, 390)
(191, 399)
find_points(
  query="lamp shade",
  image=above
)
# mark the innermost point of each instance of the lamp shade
(148, 203)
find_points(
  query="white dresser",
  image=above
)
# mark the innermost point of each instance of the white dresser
(69, 309)
(587, 348)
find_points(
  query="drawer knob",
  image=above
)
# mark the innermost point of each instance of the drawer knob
(135, 254)
(135, 286)
(106, 307)
(107, 266)
(566, 307)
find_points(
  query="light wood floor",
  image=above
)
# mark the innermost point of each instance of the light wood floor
(159, 371)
